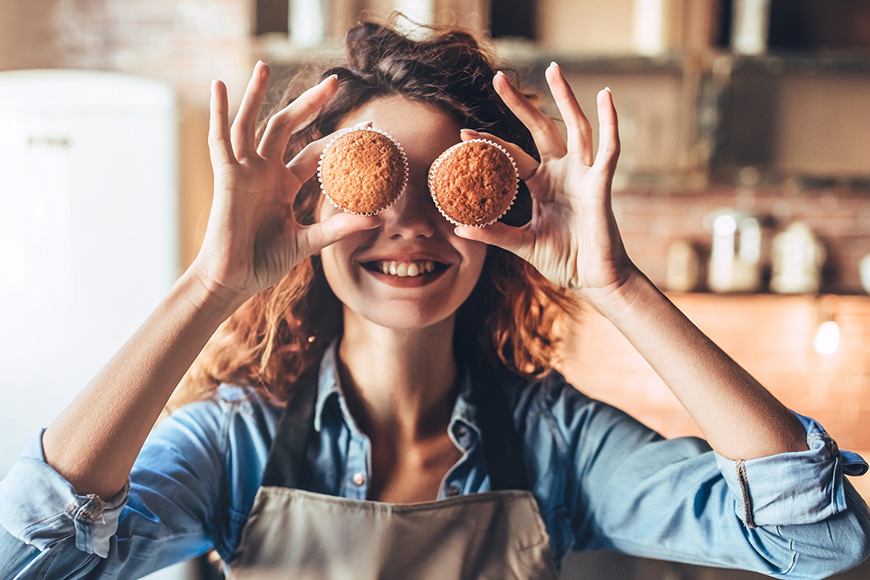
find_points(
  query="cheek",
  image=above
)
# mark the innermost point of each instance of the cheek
(474, 254)
(331, 260)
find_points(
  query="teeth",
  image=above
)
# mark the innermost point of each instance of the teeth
(407, 269)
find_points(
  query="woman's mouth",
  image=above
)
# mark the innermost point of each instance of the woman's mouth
(403, 269)
(406, 273)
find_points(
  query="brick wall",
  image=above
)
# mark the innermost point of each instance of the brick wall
(183, 42)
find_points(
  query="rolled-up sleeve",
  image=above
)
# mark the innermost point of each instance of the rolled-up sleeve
(793, 488)
(791, 515)
(163, 515)
(40, 507)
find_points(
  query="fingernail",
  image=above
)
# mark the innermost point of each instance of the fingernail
(553, 63)
(608, 90)
(469, 132)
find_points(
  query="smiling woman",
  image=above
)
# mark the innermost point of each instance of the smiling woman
(375, 394)
(514, 312)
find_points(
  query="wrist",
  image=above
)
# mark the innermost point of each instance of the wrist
(208, 296)
(618, 298)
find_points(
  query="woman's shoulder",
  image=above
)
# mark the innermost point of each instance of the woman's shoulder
(230, 406)
(229, 398)
(544, 394)
(552, 403)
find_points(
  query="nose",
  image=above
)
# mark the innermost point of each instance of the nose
(414, 215)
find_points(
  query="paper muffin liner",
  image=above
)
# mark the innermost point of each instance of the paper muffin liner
(434, 168)
(343, 132)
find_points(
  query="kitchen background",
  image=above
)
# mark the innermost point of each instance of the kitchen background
(743, 187)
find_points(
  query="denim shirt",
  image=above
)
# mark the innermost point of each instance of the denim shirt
(602, 480)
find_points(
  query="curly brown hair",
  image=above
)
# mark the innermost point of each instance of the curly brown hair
(513, 312)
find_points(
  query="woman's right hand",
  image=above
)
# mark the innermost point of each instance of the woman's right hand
(252, 239)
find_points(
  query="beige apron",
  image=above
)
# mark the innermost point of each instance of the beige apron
(299, 534)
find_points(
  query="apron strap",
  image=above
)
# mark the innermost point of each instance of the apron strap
(502, 444)
(285, 464)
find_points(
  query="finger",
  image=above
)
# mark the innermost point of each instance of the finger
(519, 241)
(544, 131)
(220, 150)
(579, 129)
(608, 133)
(304, 164)
(526, 164)
(281, 126)
(245, 123)
(315, 237)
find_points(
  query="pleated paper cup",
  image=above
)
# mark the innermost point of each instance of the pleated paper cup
(344, 132)
(434, 168)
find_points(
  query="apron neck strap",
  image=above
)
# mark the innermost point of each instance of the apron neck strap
(285, 464)
(502, 444)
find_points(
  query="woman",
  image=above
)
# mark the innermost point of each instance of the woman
(337, 402)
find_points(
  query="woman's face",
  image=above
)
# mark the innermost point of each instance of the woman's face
(413, 236)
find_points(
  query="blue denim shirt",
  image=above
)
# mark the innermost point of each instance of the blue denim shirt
(602, 481)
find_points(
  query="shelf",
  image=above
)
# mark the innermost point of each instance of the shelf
(277, 49)
(786, 63)
(530, 55)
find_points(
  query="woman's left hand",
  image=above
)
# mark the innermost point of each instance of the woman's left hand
(572, 238)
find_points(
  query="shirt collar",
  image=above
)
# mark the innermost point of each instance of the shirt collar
(464, 412)
(329, 386)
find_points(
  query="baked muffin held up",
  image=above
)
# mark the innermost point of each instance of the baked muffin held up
(363, 170)
(474, 183)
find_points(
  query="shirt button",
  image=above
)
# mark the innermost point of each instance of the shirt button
(461, 431)
(359, 479)
(453, 491)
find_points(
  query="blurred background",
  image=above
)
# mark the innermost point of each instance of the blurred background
(743, 188)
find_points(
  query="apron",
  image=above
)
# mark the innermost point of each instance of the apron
(295, 533)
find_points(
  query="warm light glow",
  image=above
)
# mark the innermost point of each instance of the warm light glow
(725, 225)
(827, 338)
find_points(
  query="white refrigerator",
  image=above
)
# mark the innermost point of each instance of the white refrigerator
(88, 232)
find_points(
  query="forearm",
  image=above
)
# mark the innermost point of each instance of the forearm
(738, 416)
(94, 442)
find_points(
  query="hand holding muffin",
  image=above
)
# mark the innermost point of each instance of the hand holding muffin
(253, 239)
(572, 238)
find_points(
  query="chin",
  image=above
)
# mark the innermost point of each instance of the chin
(401, 317)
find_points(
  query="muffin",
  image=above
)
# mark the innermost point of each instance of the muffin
(474, 183)
(363, 170)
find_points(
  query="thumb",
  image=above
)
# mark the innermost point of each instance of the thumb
(317, 236)
(516, 240)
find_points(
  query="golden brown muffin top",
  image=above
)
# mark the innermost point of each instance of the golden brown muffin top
(474, 183)
(363, 171)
